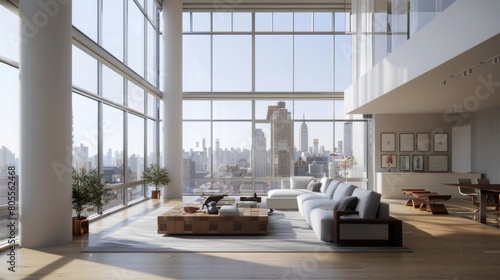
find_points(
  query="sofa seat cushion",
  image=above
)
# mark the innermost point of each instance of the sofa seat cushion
(322, 223)
(368, 203)
(300, 182)
(287, 193)
(304, 197)
(309, 205)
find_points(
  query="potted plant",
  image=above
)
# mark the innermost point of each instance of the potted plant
(88, 190)
(157, 176)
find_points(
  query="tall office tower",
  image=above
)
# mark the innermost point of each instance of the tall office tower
(204, 156)
(6, 157)
(81, 157)
(281, 140)
(304, 136)
(348, 139)
(108, 158)
(135, 163)
(340, 147)
(315, 146)
(217, 156)
(260, 168)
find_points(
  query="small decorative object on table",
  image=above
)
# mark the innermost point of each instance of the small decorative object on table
(212, 208)
(211, 198)
(191, 209)
(251, 198)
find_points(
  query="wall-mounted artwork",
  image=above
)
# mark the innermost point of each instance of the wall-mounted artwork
(438, 163)
(440, 142)
(404, 162)
(406, 142)
(388, 142)
(389, 161)
(423, 142)
(417, 163)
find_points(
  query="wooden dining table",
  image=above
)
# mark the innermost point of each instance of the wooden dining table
(483, 191)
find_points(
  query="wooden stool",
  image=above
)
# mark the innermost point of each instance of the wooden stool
(419, 199)
(409, 202)
(434, 207)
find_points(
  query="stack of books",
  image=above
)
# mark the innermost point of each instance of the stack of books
(228, 210)
(247, 204)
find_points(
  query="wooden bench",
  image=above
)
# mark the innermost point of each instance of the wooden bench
(418, 199)
(433, 205)
(409, 202)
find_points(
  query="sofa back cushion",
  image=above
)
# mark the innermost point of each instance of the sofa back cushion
(343, 190)
(300, 182)
(331, 189)
(368, 203)
(325, 183)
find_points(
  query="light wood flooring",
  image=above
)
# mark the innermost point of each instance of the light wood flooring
(444, 247)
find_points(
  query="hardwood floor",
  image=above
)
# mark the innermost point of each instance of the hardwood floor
(444, 247)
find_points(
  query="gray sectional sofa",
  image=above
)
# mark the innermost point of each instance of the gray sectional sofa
(286, 197)
(340, 212)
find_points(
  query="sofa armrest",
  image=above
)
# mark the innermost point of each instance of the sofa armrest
(395, 230)
(285, 184)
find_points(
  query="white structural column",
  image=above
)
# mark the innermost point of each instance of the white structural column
(45, 164)
(172, 95)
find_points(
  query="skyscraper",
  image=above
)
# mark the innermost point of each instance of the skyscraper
(315, 146)
(260, 169)
(281, 140)
(6, 157)
(81, 157)
(304, 136)
(217, 155)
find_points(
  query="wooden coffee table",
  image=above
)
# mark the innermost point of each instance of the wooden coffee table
(177, 221)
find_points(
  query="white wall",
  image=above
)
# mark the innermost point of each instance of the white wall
(485, 136)
(414, 57)
(461, 148)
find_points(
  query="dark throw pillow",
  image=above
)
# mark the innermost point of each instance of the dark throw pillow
(314, 186)
(346, 203)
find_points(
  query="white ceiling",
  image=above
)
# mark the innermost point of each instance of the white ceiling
(425, 95)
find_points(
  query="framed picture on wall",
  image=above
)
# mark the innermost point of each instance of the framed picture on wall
(406, 142)
(438, 163)
(440, 142)
(423, 142)
(404, 162)
(417, 162)
(389, 160)
(388, 142)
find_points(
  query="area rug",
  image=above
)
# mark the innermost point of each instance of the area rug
(288, 232)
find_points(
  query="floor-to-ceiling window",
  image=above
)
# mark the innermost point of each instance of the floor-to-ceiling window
(263, 99)
(116, 95)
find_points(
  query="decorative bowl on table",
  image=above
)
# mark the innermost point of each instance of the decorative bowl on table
(191, 209)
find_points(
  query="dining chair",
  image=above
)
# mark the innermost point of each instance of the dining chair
(470, 192)
(467, 191)
(493, 199)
